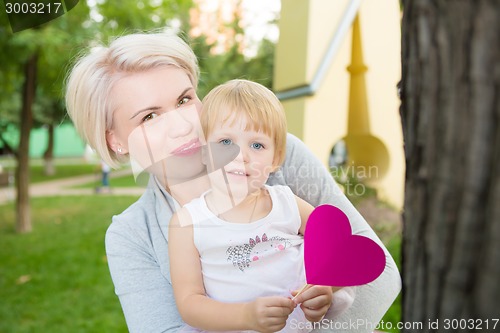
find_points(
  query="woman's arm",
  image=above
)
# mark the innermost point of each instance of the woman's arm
(198, 310)
(145, 294)
(310, 180)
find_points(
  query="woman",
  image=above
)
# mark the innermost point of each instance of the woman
(112, 94)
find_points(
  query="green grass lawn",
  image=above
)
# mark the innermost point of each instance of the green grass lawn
(56, 278)
(62, 171)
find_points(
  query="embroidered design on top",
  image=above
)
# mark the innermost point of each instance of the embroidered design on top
(242, 255)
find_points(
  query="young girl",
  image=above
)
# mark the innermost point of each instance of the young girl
(236, 252)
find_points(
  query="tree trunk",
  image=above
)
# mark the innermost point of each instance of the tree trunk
(22, 171)
(48, 156)
(451, 123)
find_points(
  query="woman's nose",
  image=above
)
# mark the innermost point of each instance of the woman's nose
(179, 126)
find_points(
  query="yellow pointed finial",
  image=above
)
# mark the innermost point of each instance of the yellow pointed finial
(358, 120)
(367, 154)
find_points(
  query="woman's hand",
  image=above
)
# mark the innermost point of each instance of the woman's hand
(269, 314)
(314, 301)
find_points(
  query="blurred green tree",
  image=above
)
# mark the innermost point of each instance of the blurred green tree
(31, 82)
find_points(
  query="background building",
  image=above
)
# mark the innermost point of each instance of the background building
(335, 87)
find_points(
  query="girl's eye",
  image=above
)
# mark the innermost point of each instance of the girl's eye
(226, 142)
(150, 116)
(257, 145)
(183, 101)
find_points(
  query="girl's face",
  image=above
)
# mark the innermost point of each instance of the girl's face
(249, 171)
(156, 121)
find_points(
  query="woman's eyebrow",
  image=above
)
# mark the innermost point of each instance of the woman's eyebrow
(184, 92)
(149, 108)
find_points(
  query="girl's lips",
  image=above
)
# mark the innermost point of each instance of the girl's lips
(237, 175)
(188, 148)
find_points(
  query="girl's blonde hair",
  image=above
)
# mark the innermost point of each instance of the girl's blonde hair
(260, 106)
(89, 84)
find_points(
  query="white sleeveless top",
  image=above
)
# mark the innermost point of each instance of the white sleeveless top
(243, 261)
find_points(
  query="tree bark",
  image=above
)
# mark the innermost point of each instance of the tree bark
(22, 172)
(48, 156)
(450, 112)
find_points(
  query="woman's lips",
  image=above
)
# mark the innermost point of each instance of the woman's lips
(188, 148)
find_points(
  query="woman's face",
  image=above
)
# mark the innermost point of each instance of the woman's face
(156, 121)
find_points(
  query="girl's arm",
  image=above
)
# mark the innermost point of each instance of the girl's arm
(305, 209)
(266, 314)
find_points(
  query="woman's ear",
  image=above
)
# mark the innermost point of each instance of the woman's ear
(114, 144)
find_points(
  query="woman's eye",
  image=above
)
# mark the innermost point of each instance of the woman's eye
(226, 142)
(150, 116)
(257, 145)
(183, 101)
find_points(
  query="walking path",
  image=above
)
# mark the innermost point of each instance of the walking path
(62, 187)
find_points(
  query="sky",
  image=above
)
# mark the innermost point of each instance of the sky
(260, 12)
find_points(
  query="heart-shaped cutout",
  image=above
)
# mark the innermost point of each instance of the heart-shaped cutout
(29, 14)
(335, 257)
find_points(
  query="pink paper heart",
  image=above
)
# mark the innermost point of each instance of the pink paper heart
(335, 257)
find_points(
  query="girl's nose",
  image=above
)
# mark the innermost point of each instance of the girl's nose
(243, 155)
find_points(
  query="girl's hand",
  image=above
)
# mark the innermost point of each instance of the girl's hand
(314, 301)
(269, 314)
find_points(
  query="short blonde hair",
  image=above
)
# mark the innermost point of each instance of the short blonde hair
(91, 80)
(252, 100)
